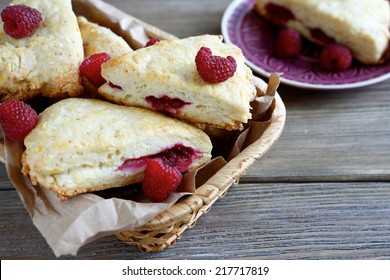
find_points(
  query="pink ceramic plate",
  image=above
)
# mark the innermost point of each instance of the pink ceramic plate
(242, 26)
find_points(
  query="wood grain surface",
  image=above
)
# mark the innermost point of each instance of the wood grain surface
(321, 192)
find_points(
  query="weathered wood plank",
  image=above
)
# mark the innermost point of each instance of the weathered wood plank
(268, 221)
(330, 136)
(180, 18)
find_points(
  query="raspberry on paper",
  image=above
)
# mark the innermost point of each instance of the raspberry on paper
(160, 180)
(20, 21)
(213, 68)
(91, 68)
(17, 119)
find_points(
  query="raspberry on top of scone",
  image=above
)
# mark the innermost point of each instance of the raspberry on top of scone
(213, 68)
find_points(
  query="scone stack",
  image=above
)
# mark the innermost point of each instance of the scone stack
(144, 127)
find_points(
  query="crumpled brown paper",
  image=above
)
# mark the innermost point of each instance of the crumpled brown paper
(68, 225)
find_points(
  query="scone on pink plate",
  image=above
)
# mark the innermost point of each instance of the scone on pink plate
(362, 26)
(165, 77)
(82, 145)
(47, 60)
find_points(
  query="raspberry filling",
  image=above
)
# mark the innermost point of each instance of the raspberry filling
(279, 15)
(114, 86)
(319, 36)
(166, 104)
(179, 156)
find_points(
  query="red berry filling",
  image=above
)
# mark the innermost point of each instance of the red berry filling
(160, 180)
(277, 14)
(91, 68)
(179, 156)
(152, 42)
(20, 21)
(335, 57)
(17, 119)
(114, 86)
(166, 104)
(319, 37)
(213, 68)
(288, 43)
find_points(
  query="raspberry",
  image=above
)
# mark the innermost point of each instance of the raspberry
(279, 15)
(212, 68)
(335, 57)
(20, 20)
(91, 68)
(151, 42)
(160, 180)
(17, 119)
(288, 43)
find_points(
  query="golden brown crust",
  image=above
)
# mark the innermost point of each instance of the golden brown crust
(174, 75)
(64, 195)
(81, 145)
(45, 63)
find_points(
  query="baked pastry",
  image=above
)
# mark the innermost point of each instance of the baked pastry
(164, 77)
(46, 62)
(98, 39)
(83, 145)
(363, 26)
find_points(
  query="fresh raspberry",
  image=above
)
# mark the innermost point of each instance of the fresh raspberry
(91, 68)
(152, 42)
(335, 57)
(160, 180)
(288, 43)
(20, 20)
(213, 68)
(17, 119)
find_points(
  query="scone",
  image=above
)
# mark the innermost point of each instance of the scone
(47, 62)
(98, 39)
(164, 77)
(83, 145)
(363, 26)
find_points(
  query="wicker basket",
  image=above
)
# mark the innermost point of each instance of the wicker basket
(164, 229)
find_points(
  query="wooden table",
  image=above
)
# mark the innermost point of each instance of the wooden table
(321, 192)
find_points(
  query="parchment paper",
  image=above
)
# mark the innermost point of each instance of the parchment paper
(68, 225)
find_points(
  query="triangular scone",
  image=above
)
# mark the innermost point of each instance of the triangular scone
(363, 26)
(164, 77)
(48, 61)
(98, 39)
(83, 145)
